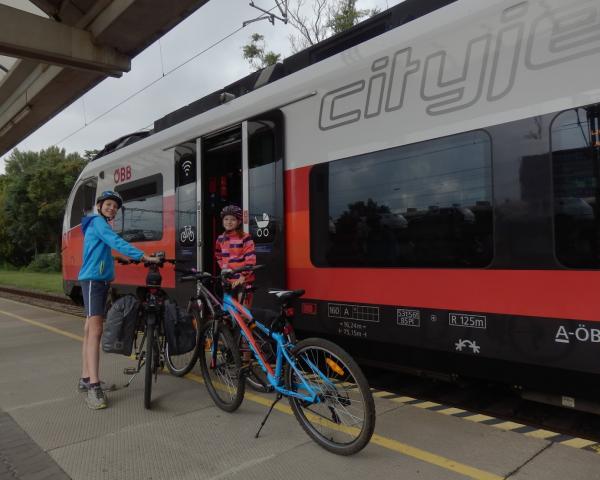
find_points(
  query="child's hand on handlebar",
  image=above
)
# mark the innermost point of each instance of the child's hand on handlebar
(238, 281)
(148, 259)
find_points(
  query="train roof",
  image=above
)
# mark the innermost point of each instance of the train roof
(394, 17)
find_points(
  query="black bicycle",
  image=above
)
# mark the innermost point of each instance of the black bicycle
(151, 351)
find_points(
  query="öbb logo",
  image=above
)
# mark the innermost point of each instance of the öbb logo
(122, 174)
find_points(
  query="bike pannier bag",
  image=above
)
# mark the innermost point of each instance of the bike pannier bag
(119, 328)
(179, 330)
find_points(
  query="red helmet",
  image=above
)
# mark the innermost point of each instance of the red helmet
(232, 210)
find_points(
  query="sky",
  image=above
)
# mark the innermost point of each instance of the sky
(86, 125)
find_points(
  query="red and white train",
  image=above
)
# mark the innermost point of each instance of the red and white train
(430, 177)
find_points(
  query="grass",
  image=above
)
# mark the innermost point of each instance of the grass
(44, 282)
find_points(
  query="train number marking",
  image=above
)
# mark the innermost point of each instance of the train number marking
(408, 318)
(352, 329)
(360, 313)
(466, 320)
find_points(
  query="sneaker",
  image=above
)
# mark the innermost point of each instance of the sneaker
(96, 399)
(83, 386)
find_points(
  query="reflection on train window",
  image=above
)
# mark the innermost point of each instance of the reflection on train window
(575, 156)
(421, 205)
(141, 218)
(83, 202)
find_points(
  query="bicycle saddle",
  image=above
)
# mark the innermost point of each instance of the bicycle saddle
(285, 295)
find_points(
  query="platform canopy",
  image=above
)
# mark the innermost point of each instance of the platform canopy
(54, 51)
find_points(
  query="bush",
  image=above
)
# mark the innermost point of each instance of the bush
(45, 262)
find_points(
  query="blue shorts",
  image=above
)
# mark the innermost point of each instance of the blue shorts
(94, 294)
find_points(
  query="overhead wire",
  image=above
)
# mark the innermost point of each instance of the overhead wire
(146, 87)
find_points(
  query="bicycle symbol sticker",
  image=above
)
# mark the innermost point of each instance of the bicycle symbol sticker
(187, 235)
(262, 226)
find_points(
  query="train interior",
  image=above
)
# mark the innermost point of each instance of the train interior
(221, 186)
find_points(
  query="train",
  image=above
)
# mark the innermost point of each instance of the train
(430, 177)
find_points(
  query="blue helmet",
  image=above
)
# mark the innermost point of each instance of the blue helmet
(110, 195)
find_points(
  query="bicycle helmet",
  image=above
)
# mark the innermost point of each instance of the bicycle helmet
(232, 210)
(110, 195)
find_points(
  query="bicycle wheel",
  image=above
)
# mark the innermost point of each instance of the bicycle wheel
(342, 418)
(256, 378)
(149, 360)
(220, 364)
(180, 365)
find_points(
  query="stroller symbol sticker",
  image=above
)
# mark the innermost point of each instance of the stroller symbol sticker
(262, 229)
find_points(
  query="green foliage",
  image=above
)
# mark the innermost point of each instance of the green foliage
(254, 53)
(345, 15)
(45, 262)
(33, 194)
(46, 282)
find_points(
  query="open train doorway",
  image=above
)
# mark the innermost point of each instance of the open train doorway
(221, 180)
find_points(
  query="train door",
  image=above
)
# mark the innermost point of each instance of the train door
(221, 185)
(243, 165)
(264, 200)
(186, 230)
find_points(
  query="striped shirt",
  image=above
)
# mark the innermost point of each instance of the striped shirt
(233, 251)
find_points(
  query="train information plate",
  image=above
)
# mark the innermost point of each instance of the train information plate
(408, 318)
(467, 320)
(360, 313)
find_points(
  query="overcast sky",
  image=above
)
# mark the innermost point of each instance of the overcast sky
(210, 71)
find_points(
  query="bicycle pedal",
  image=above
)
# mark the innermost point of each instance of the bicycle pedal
(130, 371)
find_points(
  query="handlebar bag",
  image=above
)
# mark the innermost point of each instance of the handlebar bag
(119, 328)
(179, 329)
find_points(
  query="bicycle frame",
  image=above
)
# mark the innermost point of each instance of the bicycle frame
(238, 312)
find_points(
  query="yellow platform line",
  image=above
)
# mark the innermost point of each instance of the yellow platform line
(426, 404)
(64, 333)
(508, 425)
(478, 417)
(577, 442)
(541, 434)
(388, 443)
(450, 411)
(402, 399)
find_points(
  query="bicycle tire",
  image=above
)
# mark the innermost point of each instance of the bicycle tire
(256, 378)
(343, 420)
(224, 380)
(180, 365)
(149, 368)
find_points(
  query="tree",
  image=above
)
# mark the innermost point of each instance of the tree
(327, 18)
(33, 195)
(255, 53)
(313, 23)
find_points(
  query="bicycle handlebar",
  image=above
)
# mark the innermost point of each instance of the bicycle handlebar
(192, 275)
(161, 263)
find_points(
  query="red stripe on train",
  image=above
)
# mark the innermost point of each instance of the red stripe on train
(539, 293)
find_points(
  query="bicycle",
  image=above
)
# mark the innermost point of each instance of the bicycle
(151, 351)
(206, 307)
(328, 392)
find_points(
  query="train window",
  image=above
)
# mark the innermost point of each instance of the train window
(141, 218)
(83, 202)
(576, 170)
(422, 205)
(262, 181)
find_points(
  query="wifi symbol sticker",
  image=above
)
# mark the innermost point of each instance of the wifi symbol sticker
(186, 166)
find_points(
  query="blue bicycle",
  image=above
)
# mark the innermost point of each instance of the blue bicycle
(327, 390)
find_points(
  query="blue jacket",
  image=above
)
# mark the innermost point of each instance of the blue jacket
(99, 238)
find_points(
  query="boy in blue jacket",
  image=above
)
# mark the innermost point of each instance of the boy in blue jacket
(97, 271)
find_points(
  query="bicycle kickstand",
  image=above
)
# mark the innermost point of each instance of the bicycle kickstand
(279, 397)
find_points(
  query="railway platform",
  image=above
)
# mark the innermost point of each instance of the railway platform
(47, 432)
